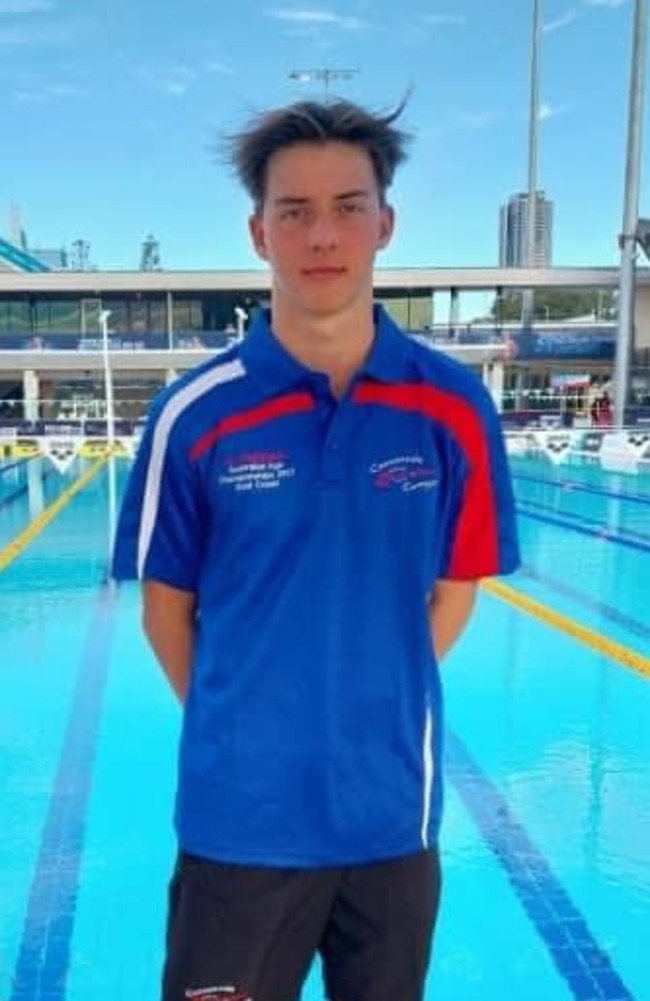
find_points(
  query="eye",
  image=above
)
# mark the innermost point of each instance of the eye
(350, 208)
(293, 212)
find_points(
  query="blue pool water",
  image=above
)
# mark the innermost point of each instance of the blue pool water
(547, 824)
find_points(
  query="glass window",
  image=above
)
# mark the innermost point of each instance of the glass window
(15, 320)
(90, 313)
(158, 316)
(41, 317)
(420, 312)
(21, 318)
(118, 321)
(5, 318)
(188, 315)
(397, 308)
(65, 317)
(139, 324)
(412, 311)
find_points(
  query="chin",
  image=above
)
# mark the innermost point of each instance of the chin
(331, 301)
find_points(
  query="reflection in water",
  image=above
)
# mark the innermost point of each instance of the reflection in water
(36, 494)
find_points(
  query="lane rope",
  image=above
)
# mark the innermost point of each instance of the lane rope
(550, 617)
(13, 550)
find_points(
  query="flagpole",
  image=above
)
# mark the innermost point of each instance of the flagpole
(628, 238)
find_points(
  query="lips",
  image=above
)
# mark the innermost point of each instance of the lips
(323, 272)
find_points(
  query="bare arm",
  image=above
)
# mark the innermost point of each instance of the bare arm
(168, 617)
(450, 609)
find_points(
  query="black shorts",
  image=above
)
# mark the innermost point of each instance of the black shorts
(237, 932)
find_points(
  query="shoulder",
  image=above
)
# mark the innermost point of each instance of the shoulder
(201, 383)
(453, 381)
(201, 387)
(197, 400)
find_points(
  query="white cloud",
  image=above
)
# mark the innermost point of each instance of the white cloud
(30, 36)
(480, 119)
(547, 111)
(172, 80)
(48, 93)
(215, 66)
(562, 21)
(440, 20)
(317, 18)
(486, 118)
(25, 6)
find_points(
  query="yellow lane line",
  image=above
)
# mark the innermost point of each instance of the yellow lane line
(596, 641)
(602, 644)
(15, 548)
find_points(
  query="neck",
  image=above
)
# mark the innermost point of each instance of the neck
(335, 345)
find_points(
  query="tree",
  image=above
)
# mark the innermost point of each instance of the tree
(551, 304)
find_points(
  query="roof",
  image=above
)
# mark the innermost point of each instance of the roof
(95, 283)
(15, 260)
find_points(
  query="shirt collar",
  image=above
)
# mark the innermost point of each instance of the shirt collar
(264, 356)
(387, 361)
(266, 359)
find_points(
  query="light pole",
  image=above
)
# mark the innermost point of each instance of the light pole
(325, 75)
(628, 239)
(527, 300)
(110, 433)
(240, 316)
(108, 380)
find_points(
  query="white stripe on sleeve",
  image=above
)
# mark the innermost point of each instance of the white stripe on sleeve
(170, 413)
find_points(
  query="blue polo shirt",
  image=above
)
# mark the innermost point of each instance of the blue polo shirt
(312, 531)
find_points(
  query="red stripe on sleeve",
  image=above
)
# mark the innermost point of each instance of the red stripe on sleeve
(282, 406)
(475, 550)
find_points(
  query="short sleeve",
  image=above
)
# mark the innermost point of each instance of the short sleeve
(483, 540)
(159, 531)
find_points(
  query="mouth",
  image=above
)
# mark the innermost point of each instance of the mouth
(323, 272)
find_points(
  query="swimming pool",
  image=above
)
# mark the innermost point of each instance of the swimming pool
(547, 824)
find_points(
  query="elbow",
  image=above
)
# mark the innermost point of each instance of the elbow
(148, 622)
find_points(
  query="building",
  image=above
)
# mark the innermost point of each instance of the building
(61, 331)
(513, 235)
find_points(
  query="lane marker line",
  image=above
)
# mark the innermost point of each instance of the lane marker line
(578, 486)
(45, 951)
(581, 961)
(16, 547)
(550, 617)
(604, 534)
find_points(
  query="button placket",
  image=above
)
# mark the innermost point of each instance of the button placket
(333, 455)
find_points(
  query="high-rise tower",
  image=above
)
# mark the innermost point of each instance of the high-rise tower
(513, 235)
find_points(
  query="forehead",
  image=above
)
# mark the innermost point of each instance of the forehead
(315, 169)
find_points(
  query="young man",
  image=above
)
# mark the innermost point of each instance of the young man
(310, 514)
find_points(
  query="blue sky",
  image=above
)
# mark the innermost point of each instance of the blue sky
(109, 110)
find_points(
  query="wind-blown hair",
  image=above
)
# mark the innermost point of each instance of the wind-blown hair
(316, 122)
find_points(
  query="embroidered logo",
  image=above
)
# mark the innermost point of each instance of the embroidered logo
(403, 472)
(251, 471)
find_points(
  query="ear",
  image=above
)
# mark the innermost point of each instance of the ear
(256, 230)
(386, 226)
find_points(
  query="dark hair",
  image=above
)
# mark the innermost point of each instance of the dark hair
(249, 151)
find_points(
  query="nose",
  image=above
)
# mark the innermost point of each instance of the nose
(323, 233)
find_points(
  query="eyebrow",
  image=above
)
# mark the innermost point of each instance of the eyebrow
(343, 196)
(358, 193)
